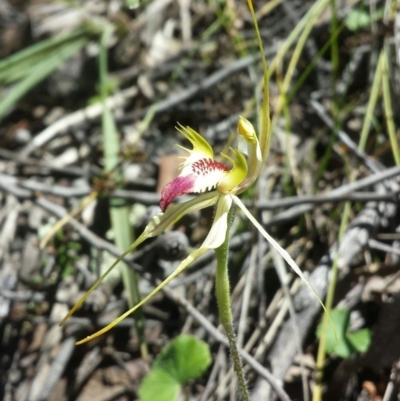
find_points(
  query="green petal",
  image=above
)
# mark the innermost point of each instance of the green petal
(200, 145)
(214, 239)
(217, 233)
(173, 213)
(157, 225)
(138, 241)
(247, 131)
(284, 254)
(236, 175)
(189, 260)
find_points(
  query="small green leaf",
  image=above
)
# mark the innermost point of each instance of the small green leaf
(357, 19)
(159, 385)
(347, 343)
(184, 359)
(340, 319)
(343, 349)
(360, 340)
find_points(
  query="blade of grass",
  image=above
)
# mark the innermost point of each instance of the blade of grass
(320, 361)
(39, 50)
(286, 177)
(314, 61)
(318, 389)
(335, 60)
(65, 220)
(40, 71)
(335, 103)
(226, 18)
(387, 103)
(267, 8)
(315, 9)
(373, 98)
(308, 26)
(282, 102)
(299, 83)
(119, 211)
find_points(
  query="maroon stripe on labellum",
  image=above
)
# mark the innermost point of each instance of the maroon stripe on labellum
(204, 166)
(177, 187)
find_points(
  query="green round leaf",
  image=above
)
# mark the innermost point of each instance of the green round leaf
(347, 343)
(159, 385)
(341, 347)
(360, 340)
(340, 319)
(184, 359)
(357, 19)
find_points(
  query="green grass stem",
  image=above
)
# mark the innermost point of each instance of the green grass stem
(315, 10)
(373, 99)
(387, 103)
(38, 73)
(38, 51)
(119, 211)
(335, 61)
(308, 26)
(298, 84)
(318, 390)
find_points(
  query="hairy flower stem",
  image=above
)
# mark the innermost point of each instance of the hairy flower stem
(224, 305)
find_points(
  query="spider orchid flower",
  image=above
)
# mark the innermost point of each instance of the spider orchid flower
(200, 173)
(218, 184)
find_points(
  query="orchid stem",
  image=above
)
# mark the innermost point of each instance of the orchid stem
(224, 305)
